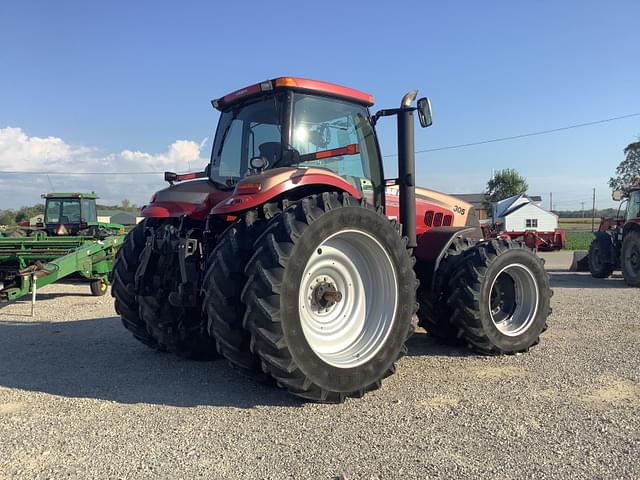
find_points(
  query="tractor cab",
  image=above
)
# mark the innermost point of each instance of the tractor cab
(633, 205)
(68, 213)
(298, 123)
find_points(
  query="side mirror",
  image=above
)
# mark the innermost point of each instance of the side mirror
(617, 195)
(424, 112)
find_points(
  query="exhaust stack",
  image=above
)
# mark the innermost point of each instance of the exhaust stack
(407, 168)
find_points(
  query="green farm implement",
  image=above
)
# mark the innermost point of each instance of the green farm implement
(30, 263)
(68, 241)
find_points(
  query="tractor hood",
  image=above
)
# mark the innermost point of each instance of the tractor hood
(194, 198)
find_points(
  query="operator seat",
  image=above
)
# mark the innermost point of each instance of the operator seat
(271, 151)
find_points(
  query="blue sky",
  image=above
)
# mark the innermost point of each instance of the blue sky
(118, 84)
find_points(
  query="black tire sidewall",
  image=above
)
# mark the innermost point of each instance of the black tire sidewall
(599, 269)
(318, 371)
(530, 336)
(96, 288)
(631, 239)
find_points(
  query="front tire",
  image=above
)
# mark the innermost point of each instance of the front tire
(434, 314)
(631, 258)
(500, 296)
(330, 297)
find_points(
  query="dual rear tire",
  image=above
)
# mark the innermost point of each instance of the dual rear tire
(325, 299)
(150, 317)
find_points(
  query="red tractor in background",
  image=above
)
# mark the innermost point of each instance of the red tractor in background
(617, 242)
(295, 259)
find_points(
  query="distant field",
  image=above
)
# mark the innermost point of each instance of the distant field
(578, 240)
(577, 224)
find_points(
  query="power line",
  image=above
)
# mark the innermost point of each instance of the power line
(437, 149)
(523, 135)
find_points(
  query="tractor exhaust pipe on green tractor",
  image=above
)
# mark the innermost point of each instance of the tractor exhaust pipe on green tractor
(295, 259)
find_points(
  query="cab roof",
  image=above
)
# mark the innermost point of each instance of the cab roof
(89, 195)
(298, 84)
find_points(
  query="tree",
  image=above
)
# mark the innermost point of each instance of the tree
(629, 168)
(126, 204)
(7, 217)
(25, 213)
(504, 184)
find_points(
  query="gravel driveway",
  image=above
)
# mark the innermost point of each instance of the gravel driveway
(80, 398)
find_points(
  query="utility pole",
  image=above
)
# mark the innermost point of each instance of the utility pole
(593, 215)
(582, 203)
(550, 201)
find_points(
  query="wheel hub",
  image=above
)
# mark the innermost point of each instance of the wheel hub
(325, 295)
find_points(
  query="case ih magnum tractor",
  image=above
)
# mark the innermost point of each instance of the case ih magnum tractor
(617, 242)
(292, 256)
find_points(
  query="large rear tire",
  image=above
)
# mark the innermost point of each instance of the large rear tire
(330, 297)
(631, 258)
(123, 277)
(223, 285)
(434, 314)
(598, 266)
(178, 330)
(500, 296)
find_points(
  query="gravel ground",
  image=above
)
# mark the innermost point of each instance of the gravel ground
(80, 398)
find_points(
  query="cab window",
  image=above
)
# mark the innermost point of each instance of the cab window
(248, 130)
(633, 207)
(323, 125)
(89, 211)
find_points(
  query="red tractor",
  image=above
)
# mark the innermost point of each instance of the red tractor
(617, 242)
(295, 259)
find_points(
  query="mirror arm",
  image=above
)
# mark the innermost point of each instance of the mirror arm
(390, 111)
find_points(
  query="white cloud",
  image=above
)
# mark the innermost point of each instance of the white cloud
(21, 152)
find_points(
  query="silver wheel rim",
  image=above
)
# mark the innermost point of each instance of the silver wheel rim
(513, 301)
(352, 330)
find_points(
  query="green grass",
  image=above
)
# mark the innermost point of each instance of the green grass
(577, 224)
(578, 240)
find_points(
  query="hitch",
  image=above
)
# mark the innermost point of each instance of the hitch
(188, 290)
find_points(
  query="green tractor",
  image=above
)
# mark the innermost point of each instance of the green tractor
(68, 214)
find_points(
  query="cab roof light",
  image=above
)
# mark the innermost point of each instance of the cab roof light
(286, 82)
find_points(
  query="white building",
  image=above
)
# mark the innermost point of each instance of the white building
(118, 216)
(520, 213)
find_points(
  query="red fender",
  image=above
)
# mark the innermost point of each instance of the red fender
(256, 190)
